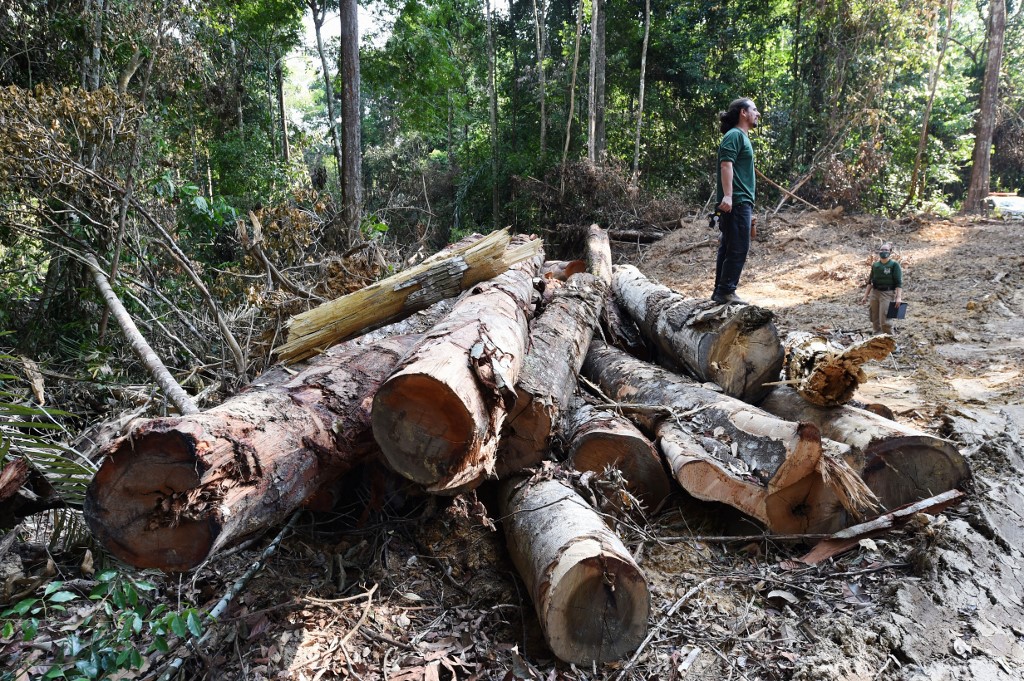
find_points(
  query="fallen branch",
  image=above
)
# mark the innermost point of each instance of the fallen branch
(784, 190)
(174, 392)
(846, 539)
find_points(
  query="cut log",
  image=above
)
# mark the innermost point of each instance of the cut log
(599, 439)
(559, 339)
(562, 269)
(599, 254)
(735, 346)
(175, 490)
(24, 491)
(825, 373)
(900, 464)
(591, 598)
(722, 449)
(438, 417)
(401, 294)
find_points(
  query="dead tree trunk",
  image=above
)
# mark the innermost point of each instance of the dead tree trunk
(722, 449)
(599, 439)
(175, 490)
(599, 254)
(591, 598)
(559, 339)
(438, 417)
(736, 347)
(827, 374)
(898, 463)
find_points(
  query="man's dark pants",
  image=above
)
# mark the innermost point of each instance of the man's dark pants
(732, 250)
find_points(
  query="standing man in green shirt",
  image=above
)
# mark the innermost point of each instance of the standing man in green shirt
(885, 285)
(737, 187)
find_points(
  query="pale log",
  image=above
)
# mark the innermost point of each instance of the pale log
(175, 490)
(590, 596)
(559, 338)
(900, 464)
(735, 346)
(599, 254)
(438, 418)
(722, 449)
(598, 439)
(825, 373)
(401, 294)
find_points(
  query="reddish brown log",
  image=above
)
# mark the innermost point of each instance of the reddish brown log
(591, 598)
(175, 490)
(735, 346)
(599, 439)
(722, 449)
(559, 339)
(438, 417)
(900, 464)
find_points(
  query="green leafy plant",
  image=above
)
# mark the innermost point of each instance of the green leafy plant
(109, 630)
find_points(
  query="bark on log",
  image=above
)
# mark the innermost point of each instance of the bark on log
(898, 463)
(599, 439)
(438, 417)
(722, 449)
(599, 254)
(401, 294)
(559, 339)
(24, 491)
(737, 347)
(175, 490)
(591, 598)
(827, 374)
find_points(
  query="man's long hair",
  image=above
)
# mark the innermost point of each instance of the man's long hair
(730, 118)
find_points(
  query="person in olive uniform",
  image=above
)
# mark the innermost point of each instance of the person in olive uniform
(885, 285)
(737, 186)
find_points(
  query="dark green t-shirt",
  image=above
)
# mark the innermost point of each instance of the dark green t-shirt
(736, 147)
(886, 274)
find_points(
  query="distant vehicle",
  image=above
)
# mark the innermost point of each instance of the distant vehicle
(1007, 205)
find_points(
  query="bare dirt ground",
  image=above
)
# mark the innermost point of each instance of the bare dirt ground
(428, 592)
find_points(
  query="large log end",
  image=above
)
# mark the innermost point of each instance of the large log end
(598, 609)
(141, 503)
(422, 427)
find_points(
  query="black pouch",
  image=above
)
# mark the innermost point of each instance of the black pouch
(715, 220)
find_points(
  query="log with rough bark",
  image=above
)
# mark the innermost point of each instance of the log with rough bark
(403, 293)
(599, 254)
(722, 449)
(175, 490)
(825, 373)
(591, 598)
(438, 418)
(559, 338)
(598, 439)
(735, 346)
(900, 464)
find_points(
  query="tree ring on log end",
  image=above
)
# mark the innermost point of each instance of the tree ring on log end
(131, 503)
(421, 426)
(903, 470)
(597, 611)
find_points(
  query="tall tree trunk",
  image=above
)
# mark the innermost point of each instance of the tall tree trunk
(492, 96)
(595, 119)
(285, 145)
(319, 11)
(351, 120)
(923, 141)
(640, 97)
(572, 93)
(985, 125)
(539, 26)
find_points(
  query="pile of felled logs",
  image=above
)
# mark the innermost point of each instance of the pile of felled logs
(502, 362)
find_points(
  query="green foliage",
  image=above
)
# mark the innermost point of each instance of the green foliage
(105, 632)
